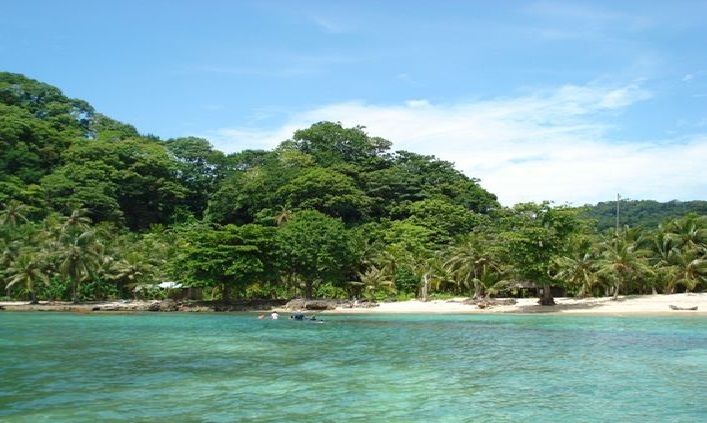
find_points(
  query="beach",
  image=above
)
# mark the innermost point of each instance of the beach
(625, 305)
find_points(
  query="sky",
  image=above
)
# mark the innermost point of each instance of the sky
(571, 102)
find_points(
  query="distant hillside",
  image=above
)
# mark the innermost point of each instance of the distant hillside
(645, 213)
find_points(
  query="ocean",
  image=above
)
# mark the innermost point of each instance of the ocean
(233, 367)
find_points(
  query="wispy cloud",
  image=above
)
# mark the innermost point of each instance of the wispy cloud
(330, 25)
(549, 145)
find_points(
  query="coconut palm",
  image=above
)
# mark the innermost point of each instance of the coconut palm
(431, 272)
(283, 215)
(78, 220)
(389, 260)
(375, 280)
(473, 265)
(26, 270)
(79, 257)
(579, 271)
(13, 213)
(132, 270)
(622, 261)
(688, 270)
(690, 232)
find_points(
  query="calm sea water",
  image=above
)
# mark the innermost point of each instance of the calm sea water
(62, 367)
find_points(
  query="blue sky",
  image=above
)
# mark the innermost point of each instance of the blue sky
(566, 101)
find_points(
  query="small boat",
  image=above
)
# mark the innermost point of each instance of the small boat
(674, 307)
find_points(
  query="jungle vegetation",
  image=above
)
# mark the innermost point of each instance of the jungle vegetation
(91, 209)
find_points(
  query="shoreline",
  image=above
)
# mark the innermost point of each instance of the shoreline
(636, 305)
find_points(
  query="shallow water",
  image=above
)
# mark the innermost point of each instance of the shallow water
(62, 367)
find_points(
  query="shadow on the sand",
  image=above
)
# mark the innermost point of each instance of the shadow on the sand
(586, 304)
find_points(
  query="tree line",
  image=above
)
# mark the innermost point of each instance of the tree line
(92, 209)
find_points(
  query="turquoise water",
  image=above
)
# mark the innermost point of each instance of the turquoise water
(63, 367)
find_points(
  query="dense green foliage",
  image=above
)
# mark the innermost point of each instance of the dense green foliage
(92, 209)
(648, 214)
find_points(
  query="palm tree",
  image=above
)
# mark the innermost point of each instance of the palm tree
(388, 261)
(688, 270)
(78, 258)
(431, 272)
(10, 251)
(13, 213)
(578, 271)
(473, 266)
(283, 215)
(26, 270)
(77, 220)
(375, 280)
(690, 232)
(131, 270)
(622, 260)
(679, 252)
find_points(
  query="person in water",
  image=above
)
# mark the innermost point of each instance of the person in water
(297, 316)
(274, 315)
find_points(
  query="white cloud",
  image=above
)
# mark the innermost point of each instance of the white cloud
(548, 145)
(330, 25)
(417, 103)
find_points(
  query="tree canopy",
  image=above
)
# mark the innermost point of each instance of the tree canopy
(91, 208)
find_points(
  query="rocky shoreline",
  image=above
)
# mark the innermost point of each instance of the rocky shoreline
(184, 306)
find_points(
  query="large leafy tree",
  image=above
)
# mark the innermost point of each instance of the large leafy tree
(330, 143)
(71, 116)
(229, 257)
(329, 192)
(316, 248)
(250, 188)
(90, 184)
(137, 175)
(199, 169)
(445, 219)
(534, 236)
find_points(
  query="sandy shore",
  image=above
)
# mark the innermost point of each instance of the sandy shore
(625, 305)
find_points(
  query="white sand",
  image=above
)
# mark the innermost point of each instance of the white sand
(625, 305)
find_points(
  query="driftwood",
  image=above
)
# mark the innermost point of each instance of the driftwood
(674, 307)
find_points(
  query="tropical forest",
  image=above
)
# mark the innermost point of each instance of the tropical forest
(91, 209)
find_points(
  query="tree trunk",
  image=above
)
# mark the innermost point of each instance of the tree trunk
(546, 298)
(425, 288)
(76, 292)
(478, 289)
(308, 290)
(225, 293)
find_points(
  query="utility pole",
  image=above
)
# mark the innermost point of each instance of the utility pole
(618, 213)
